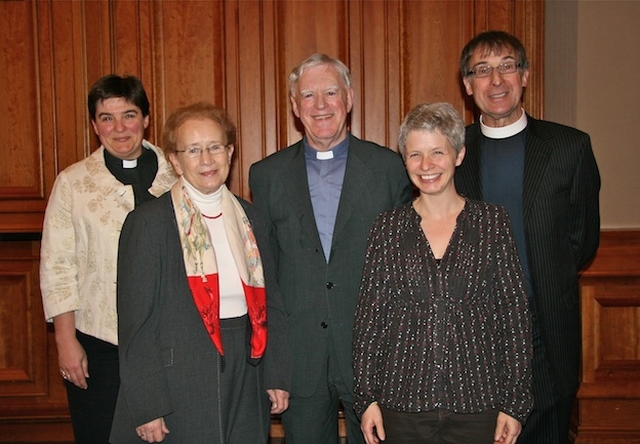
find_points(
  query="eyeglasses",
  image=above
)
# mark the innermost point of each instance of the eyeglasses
(196, 151)
(486, 70)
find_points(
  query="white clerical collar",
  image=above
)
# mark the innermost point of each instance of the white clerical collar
(324, 155)
(128, 164)
(504, 131)
(337, 152)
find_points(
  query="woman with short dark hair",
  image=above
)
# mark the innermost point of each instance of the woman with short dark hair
(86, 209)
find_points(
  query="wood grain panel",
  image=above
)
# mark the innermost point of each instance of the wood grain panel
(375, 67)
(99, 58)
(189, 48)
(38, 122)
(529, 27)
(18, 115)
(434, 37)
(22, 184)
(70, 93)
(251, 86)
(33, 406)
(609, 394)
(612, 322)
(23, 354)
(132, 52)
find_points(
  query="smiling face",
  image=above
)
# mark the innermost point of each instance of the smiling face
(207, 172)
(431, 161)
(322, 103)
(120, 126)
(499, 95)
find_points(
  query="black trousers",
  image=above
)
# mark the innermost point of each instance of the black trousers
(314, 420)
(550, 419)
(244, 405)
(92, 409)
(439, 426)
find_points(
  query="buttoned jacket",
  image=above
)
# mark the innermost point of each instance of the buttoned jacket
(320, 296)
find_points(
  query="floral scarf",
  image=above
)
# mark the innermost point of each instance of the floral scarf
(201, 265)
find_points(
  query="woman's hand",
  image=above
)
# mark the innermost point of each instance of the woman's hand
(371, 425)
(279, 400)
(508, 429)
(153, 431)
(72, 359)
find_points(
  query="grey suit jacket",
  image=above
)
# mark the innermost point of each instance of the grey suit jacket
(167, 360)
(320, 297)
(562, 230)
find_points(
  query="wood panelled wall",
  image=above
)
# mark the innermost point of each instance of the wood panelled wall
(235, 53)
(609, 395)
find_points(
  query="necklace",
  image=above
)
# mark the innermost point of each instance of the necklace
(211, 217)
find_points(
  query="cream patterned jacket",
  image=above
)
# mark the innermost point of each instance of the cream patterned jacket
(79, 251)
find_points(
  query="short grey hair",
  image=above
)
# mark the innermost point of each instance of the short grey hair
(314, 60)
(440, 116)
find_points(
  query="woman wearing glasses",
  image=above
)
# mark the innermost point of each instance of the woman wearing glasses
(203, 351)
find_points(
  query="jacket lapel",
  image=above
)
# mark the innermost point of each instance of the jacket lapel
(536, 159)
(297, 185)
(471, 163)
(356, 178)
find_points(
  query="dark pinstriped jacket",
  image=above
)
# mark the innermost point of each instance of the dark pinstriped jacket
(562, 230)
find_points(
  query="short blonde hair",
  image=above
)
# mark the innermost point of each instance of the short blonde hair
(440, 116)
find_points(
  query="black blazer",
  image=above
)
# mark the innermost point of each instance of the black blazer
(320, 298)
(167, 359)
(562, 230)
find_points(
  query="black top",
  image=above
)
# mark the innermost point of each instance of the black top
(140, 177)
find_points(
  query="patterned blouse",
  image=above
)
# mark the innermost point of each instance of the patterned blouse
(452, 334)
(79, 250)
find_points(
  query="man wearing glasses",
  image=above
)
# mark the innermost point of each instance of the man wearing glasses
(546, 176)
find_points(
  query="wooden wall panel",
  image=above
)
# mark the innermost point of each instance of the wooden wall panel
(22, 191)
(99, 59)
(69, 85)
(237, 54)
(17, 176)
(22, 332)
(609, 395)
(375, 66)
(251, 88)
(30, 387)
(528, 23)
(430, 64)
(189, 54)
